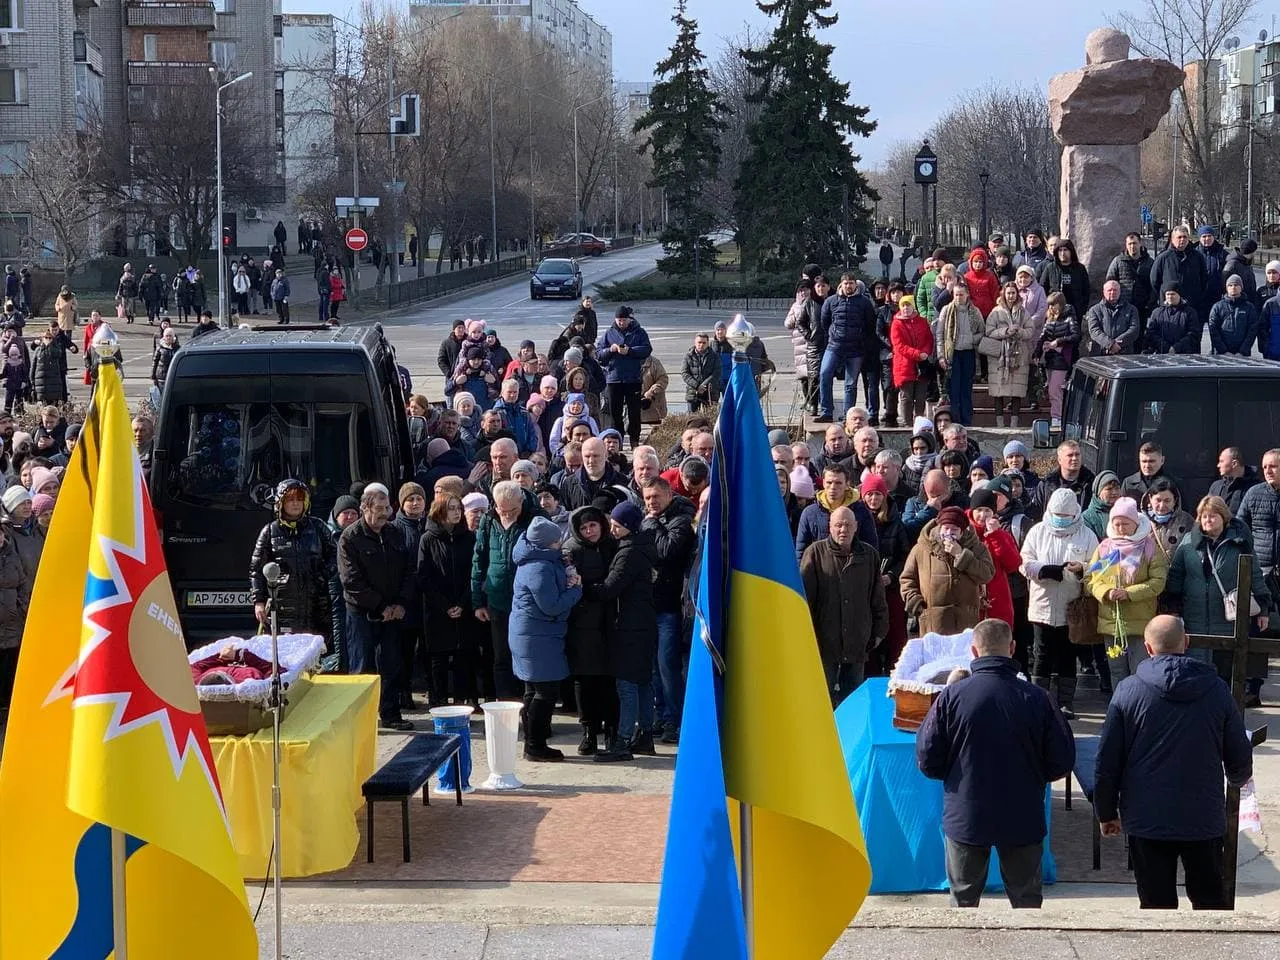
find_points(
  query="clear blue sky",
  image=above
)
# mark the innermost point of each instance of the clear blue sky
(904, 59)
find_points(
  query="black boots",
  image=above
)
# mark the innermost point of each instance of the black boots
(615, 750)
(537, 724)
(590, 737)
(642, 743)
(1067, 696)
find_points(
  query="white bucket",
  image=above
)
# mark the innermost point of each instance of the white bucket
(501, 732)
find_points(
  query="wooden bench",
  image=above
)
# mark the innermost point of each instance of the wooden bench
(404, 774)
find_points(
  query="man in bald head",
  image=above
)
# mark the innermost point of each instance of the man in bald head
(842, 584)
(935, 492)
(596, 476)
(1171, 732)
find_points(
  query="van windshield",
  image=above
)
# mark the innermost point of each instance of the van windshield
(230, 456)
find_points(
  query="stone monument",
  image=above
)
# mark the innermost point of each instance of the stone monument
(1100, 114)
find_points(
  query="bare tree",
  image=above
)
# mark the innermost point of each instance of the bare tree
(58, 182)
(1193, 34)
(734, 84)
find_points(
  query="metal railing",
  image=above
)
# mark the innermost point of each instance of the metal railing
(438, 284)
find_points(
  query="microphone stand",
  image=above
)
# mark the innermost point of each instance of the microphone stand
(276, 703)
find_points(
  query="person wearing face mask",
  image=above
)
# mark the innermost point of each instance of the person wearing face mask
(1163, 506)
(1053, 556)
(945, 574)
(1126, 575)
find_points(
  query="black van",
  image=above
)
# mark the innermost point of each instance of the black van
(1192, 406)
(244, 409)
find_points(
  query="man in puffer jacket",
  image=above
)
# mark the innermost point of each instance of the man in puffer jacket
(1132, 270)
(1174, 326)
(1233, 321)
(849, 319)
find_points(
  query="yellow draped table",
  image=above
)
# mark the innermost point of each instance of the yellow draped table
(327, 745)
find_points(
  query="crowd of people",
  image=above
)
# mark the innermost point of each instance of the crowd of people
(1018, 322)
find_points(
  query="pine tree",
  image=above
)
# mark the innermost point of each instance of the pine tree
(790, 193)
(683, 125)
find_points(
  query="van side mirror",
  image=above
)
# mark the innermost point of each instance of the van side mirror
(1041, 436)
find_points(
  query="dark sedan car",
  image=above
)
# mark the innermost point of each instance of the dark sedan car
(556, 278)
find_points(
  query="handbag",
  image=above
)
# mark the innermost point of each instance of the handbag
(1230, 599)
(1082, 620)
(990, 347)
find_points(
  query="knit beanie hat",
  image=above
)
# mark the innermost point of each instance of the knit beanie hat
(15, 497)
(549, 381)
(1016, 448)
(1125, 507)
(982, 497)
(779, 438)
(475, 501)
(474, 352)
(1273, 265)
(906, 300)
(628, 515)
(802, 482)
(437, 446)
(922, 426)
(475, 327)
(573, 355)
(345, 502)
(377, 488)
(524, 466)
(41, 504)
(411, 489)
(610, 432)
(1249, 247)
(986, 465)
(953, 516)
(40, 476)
(1064, 501)
(461, 396)
(1235, 281)
(543, 533)
(874, 483)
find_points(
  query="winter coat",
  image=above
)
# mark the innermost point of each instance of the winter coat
(1136, 485)
(1010, 373)
(587, 644)
(912, 343)
(984, 285)
(65, 308)
(653, 387)
(1173, 329)
(540, 604)
(624, 367)
(1144, 592)
(1111, 325)
(1032, 258)
(1233, 489)
(1193, 587)
(850, 323)
(1169, 535)
(884, 339)
(947, 595)
(1260, 511)
(699, 370)
(49, 373)
(1072, 282)
(815, 335)
(815, 521)
(996, 741)
(15, 593)
(281, 289)
(1233, 326)
(452, 463)
(946, 333)
(375, 569)
(1170, 731)
(447, 355)
(796, 321)
(308, 556)
(1065, 328)
(1215, 281)
(160, 365)
(1049, 595)
(674, 540)
(846, 600)
(578, 488)
(492, 568)
(444, 582)
(1004, 555)
(1035, 302)
(631, 618)
(924, 294)
(521, 424)
(1269, 329)
(1097, 514)
(1134, 276)
(151, 288)
(1081, 486)
(337, 288)
(1187, 270)
(1241, 267)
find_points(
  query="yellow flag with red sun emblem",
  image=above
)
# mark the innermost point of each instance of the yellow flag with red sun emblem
(105, 733)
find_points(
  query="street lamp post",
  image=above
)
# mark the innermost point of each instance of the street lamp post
(984, 176)
(577, 184)
(222, 253)
(903, 224)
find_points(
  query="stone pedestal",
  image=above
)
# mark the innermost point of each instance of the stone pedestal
(1100, 200)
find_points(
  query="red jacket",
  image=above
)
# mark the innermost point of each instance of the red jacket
(672, 476)
(1004, 553)
(984, 285)
(912, 342)
(337, 288)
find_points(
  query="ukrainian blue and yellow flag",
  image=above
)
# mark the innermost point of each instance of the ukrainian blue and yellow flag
(757, 729)
(105, 733)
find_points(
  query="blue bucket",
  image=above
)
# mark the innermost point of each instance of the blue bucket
(456, 719)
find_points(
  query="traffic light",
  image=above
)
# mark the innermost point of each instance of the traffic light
(228, 236)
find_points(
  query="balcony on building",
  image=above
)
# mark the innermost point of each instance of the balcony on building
(87, 4)
(198, 14)
(146, 72)
(86, 51)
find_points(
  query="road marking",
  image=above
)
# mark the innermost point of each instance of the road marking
(513, 303)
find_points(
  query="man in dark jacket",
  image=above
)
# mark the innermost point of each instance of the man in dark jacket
(206, 324)
(1235, 479)
(622, 351)
(1113, 324)
(701, 374)
(1183, 265)
(846, 603)
(996, 742)
(670, 519)
(849, 319)
(1233, 322)
(595, 476)
(1214, 256)
(1132, 270)
(447, 355)
(837, 491)
(1173, 326)
(377, 575)
(886, 259)
(1171, 731)
(1260, 511)
(1070, 473)
(1240, 263)
(1150, 469)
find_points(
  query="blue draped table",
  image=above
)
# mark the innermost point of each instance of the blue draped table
(900, 809)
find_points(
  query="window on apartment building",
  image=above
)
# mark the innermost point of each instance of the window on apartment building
(11, 15)
(13, 86)
(279, 49)
(13, 157)
(15, 235)
(151, 47)
(224, 6)
(223, 54)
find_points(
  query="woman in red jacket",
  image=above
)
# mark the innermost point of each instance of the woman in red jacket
(337, 293)
(912, 342)
(1004, 553)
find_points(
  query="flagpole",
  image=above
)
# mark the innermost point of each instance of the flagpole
(119, 925)
(747, 873)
